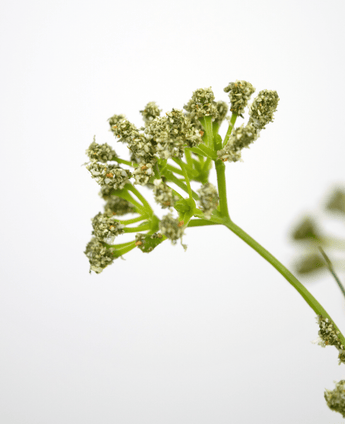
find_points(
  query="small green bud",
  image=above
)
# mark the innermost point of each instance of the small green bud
(163, 194)
(171, 227)
(99, 256)
(148, 242)
(100, 152)
(105, 228)
(262, 109)
(183, 206)
(117, 206)
(309, 263)
(150, 112)
(208, 199)
(336, 398)
(306, 229)
(337, 202)
(239, 94)
(111, 176)
(202, 103)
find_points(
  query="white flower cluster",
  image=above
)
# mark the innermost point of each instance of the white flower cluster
(262, 109)
(171, 227)
(143, 173)
(105, 228)
(329, 336)
(202, 103)
(163, 194)
(239, 94)
(336, 398)
(208, 199)
(100, 152)
(241, 137)
(99, 256)
(117, 206)
(110, 175)
(150, 112)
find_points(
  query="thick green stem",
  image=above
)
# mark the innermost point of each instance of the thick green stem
(223, 203)
(201, 223)
(307, 296)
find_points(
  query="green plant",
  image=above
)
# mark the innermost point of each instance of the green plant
(172, 151)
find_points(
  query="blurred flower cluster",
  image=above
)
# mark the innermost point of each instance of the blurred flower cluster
(310, 236)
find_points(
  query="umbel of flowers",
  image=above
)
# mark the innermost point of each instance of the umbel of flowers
(168, 154)
(172, 155)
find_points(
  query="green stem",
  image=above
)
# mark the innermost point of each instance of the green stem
(120, 245)
(174, 169)
(125, 162)
(143, 227)
(189, 158)
(122, 251)
(221, 181)
(125, 195)
(307, 296)
(201, 223)
(331, 270)
(231, 126)
(185, 172)
(131, 221)
(141, 198)
(171, 177)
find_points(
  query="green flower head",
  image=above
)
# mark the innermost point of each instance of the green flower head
(239, 94)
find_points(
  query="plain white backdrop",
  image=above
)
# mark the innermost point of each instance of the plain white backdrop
(213, 335)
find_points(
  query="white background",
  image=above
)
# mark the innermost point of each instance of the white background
(213, 335)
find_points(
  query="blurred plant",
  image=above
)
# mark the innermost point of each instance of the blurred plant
(167, 155)
(308, 233)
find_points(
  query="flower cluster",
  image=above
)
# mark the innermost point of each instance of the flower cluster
(117, 206)
(150, 112)
(202, 104)
(100, 152)
(337, 201)
(105, 228)
(329, 336)
(110, 175)
(309, 263)
(163, 194)
(262, 109)
(242, 137)
(336, 398)
(177, 148)
(171, 227)
(239, 94)
(208, 199)
(306, 229)
(98, 255)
